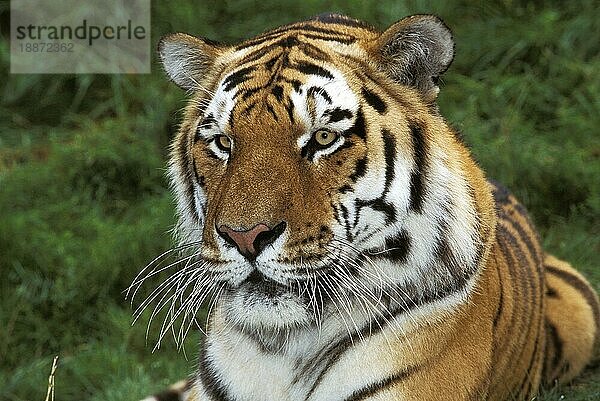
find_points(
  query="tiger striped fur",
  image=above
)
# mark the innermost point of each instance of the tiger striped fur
(352, 248)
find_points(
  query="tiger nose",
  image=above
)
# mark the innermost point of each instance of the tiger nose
(253, 241)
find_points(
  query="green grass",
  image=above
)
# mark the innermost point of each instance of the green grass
(84, 203)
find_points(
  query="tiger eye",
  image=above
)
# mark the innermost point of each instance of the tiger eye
(224, 143)
(325, 138)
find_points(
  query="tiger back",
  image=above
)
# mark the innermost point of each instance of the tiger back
(348, 244)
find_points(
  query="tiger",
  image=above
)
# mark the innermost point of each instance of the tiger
(349, 244)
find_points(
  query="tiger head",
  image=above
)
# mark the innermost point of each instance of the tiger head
(312, 169)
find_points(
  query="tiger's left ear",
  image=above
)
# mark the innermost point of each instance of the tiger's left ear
(187, 60)
(415, 51)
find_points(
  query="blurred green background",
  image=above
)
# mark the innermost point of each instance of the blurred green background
(84, 203)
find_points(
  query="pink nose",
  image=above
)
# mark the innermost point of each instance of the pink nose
(251, 242)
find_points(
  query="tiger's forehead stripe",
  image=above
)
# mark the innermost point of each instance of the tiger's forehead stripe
(314, 92)
(307, 30)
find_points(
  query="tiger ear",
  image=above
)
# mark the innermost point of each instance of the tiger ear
(187, 59)
(415, 51)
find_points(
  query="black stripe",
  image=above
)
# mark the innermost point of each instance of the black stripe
(237, 77)
(294, 82)
(500, 192)
(398, 98)
(445, 254)
(185, 165)
(310, 28)
(248, 109)
(374, 388)
(262, 52)
(289, 41)
(270, 110)
(316, 90)
(247, 93)
(523, 260)
(417, 176)
(551, 292)
(506, 203)
(379, 204)
(271, 63)
(261, 39)
(208, 122)
(374, 100)
(522, 211)
(360, 169)
(314, 52)
(360, 127)
(199, 178)
(395, 249)
(500, 306)
(337, 214)
(289, 107)
(210, 380)
(531, 248)
(197, 135)
(580, 286)
(515, 292)
(168, 395)
(347, 144)
(344, 189)
(231, 120)
(346, 40)
(208, 152)
(331, 356)
(277, 91)
(557, 344)
(389, 152)
(385, 207)
(279, 46)
(346, 222)
(312, 69)
(338, 114)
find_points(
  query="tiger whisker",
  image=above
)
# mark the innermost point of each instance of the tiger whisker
(156, 292)
(174, 313)
(138, 280)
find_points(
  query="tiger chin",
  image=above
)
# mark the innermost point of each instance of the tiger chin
(351, 246)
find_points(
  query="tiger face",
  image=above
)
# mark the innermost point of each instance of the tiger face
(311, 172)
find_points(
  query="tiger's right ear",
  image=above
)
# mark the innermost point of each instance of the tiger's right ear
(187, 59)
(416, 51)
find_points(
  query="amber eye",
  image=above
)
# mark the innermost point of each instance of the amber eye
(325, 138)
(223, 143)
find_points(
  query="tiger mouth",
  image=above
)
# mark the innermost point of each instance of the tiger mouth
(260, 284)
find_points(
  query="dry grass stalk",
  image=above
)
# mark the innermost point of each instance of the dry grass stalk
(50, 392)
